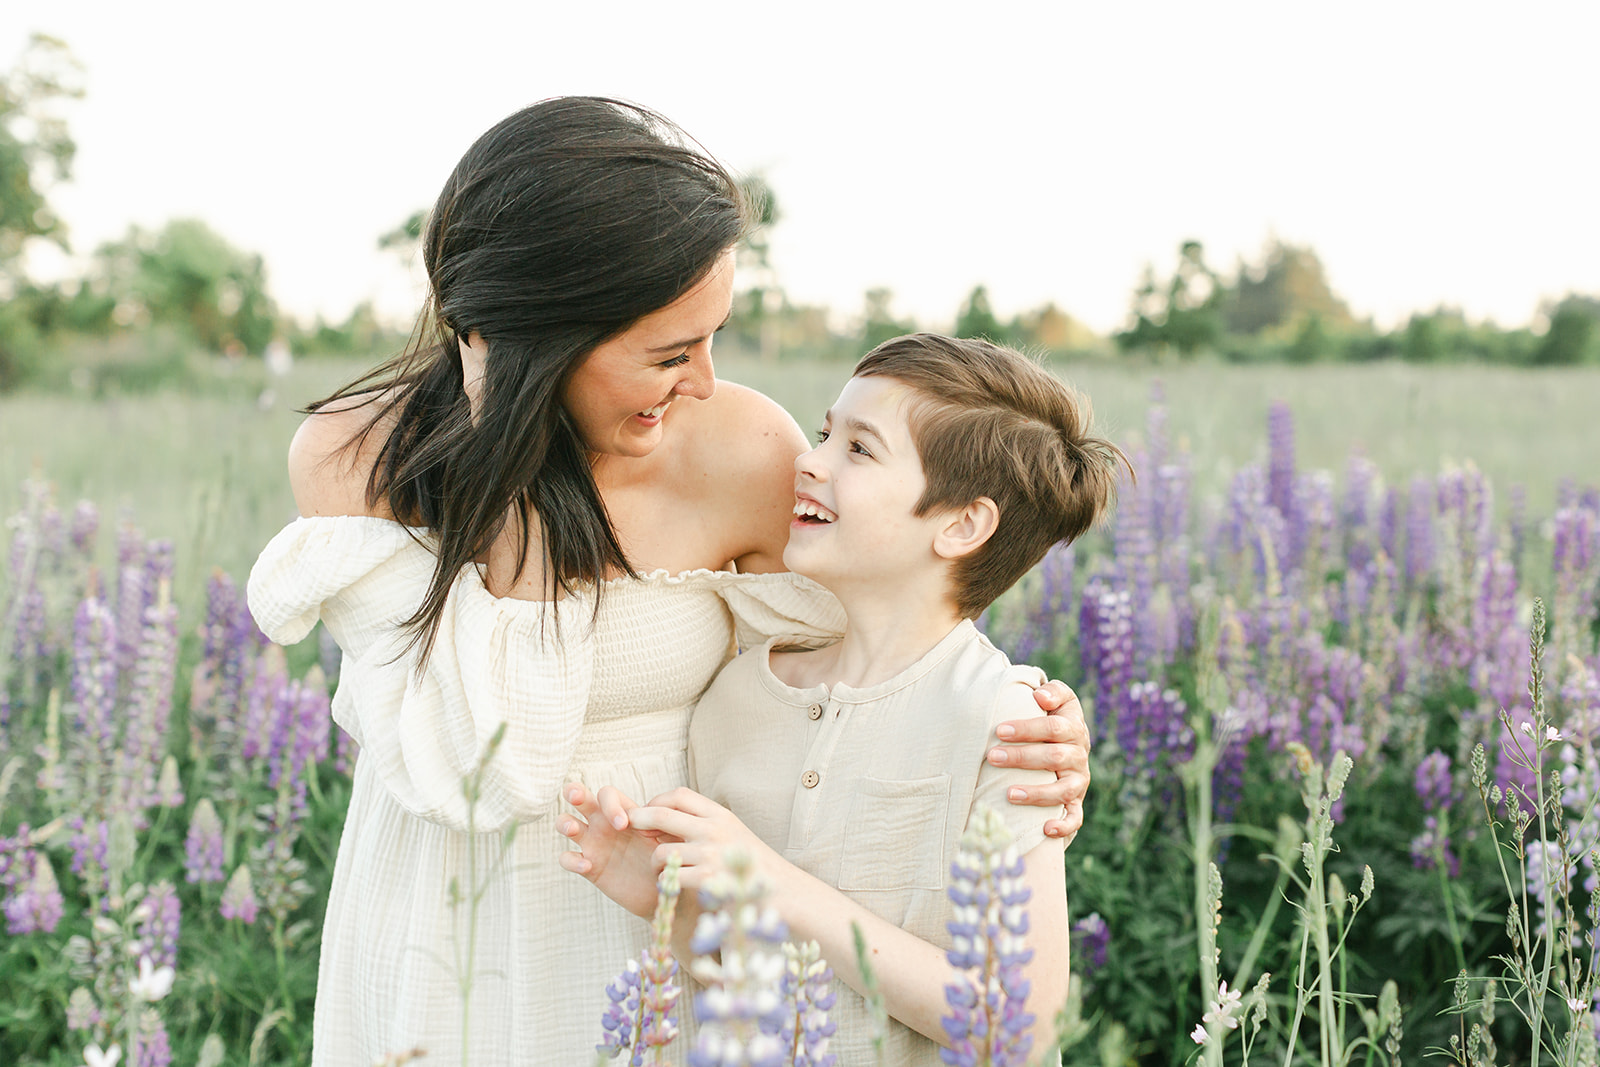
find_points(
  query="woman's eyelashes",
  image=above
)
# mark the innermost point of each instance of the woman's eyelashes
(676, 361)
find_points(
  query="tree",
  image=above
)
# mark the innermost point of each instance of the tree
(188, 275)
(1184, 314)
(1288, 288)
(35, 148)
(976, 318)
(1570, 338)
(404, 238)
(764, 301)
(878, 324)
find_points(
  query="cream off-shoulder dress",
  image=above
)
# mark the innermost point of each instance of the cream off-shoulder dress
(600, 700)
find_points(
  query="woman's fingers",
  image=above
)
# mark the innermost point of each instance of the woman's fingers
(574, 862)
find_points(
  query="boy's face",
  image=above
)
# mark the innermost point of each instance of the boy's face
(854, 495)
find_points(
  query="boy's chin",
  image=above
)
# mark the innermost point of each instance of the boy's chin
(805, 564)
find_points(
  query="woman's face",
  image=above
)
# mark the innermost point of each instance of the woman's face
(621, 395)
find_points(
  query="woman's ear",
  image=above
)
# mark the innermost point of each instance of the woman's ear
(967, 530)
(474, 351)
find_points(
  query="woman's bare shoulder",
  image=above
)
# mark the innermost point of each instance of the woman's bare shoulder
(746, 432)
(332, 455)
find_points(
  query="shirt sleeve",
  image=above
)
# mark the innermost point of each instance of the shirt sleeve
(1025, 821)
(783, 604)
(426, 725)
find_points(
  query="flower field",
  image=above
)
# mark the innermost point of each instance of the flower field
(1342, 758)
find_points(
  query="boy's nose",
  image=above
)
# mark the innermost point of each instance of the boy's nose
(806, 463)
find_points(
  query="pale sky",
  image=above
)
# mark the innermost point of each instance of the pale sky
(1430, 152)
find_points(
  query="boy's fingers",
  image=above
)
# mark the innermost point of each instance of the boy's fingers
(679, 824)
(686, 800)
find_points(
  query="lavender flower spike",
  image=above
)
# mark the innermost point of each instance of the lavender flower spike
(642, 1013)
(239, 897)
(741, 1010)
(808, 995)
(988, 1022)
(203, 849)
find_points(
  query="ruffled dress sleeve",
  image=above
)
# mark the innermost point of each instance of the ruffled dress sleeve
(495, 660)
(781, 605)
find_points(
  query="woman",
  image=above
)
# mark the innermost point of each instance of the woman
(624, 517)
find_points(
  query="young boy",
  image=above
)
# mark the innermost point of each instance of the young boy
(945, 470)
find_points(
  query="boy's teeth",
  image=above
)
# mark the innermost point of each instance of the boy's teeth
(806, 508)
(658, 410)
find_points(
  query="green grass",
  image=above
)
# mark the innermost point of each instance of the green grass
(206, 467)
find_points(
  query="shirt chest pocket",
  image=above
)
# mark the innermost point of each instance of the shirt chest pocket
(895, 835)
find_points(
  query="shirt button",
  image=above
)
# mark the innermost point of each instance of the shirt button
(815, 711)
(810, 779)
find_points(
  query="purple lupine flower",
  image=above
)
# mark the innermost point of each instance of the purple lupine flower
(159, 925)
(94, 692)
(1427, 849)
(1312, 521)
(1389, 523)
(1154, 734)
(1108, 649)
(150, 700)
(1136, 562)
(740, 1011)
(203, 848)
(33, 899)
(989, 1020)
(808, 996)
(1091, 942)
(1355, 513)
(85, 525)
(329, 655)
(1434, 785)
(91, 850)
(619, 1023)
(642, 1014)
(1419, 532)
(239, 897)
(151, 1048)
(1280, 458)
(83, 1013)
(131, 599)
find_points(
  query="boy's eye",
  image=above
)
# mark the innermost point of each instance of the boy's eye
(859, 448)
(822, 435)
(676, 361)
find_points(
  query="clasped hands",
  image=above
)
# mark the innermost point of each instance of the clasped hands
(622, 845)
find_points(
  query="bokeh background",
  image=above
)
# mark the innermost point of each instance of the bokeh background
(1376, 221)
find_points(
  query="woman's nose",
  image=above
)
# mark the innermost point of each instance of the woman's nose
(699, 375)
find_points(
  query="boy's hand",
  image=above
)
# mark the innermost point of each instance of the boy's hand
(618, 859)
(1058, 741)
(701, 831)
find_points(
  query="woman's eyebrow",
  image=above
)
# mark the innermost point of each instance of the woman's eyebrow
(658, 349)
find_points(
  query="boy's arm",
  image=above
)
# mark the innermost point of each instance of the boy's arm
(911, 972)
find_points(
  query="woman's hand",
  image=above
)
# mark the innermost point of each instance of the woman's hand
(618, 859)
(701, 831)
(1057, 741)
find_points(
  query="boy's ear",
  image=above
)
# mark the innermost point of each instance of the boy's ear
(967, 529)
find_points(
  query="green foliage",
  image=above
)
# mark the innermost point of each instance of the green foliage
(1572, 336)
(977, 318)
(1184, 314)
(35, 148)
(187, 274)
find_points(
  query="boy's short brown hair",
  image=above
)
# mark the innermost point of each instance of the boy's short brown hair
(989, 421)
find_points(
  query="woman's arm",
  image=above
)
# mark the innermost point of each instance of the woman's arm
(911, 973)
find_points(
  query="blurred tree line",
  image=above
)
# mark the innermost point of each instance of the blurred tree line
(1283, 309)
(186, 287)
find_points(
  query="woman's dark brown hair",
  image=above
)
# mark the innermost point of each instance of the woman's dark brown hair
(562, 226)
